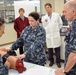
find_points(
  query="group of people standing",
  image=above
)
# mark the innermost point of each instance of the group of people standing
(52, 24)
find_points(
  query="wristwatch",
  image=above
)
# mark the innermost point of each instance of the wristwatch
(65, 72)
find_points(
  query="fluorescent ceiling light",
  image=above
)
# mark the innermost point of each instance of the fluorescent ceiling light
(1, 2)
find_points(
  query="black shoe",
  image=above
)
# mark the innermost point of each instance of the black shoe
(58, 65)
(51, 64)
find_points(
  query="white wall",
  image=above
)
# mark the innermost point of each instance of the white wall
(28, 6)
(57, 5)
(9, 35)
(43, 2)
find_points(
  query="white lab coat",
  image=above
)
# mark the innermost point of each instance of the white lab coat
(52, 28)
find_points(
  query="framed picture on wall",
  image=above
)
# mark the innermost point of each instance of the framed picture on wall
(7, 13)
(12, 13)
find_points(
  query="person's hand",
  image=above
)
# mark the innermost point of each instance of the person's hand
(8, 49)
(7, 64)
(59, 72)
(46, 20)
(21, 56)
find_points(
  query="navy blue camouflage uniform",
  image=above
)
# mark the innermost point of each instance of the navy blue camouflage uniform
(3, 68)
(71, 45)
(33, 41)
(65, 22)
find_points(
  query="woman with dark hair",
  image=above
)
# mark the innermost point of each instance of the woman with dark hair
(33, 38)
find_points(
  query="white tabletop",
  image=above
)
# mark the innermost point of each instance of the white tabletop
(33, 69)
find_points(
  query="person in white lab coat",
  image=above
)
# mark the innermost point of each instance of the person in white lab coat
(52, 23)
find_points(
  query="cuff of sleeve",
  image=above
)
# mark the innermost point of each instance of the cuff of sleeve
(27, 53)
(73, 51)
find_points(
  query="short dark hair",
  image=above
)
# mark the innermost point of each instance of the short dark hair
(21, 9)
(35, 15)
(48, 4)
(1, 21)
